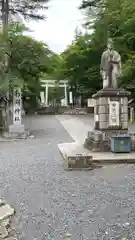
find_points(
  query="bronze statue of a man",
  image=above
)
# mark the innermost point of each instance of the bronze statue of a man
(110, 67)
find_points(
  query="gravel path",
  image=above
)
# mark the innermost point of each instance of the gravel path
(49, 201)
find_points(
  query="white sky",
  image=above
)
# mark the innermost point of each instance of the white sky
(63, 16)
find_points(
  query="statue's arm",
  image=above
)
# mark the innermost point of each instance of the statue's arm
(120, 61)
(120, 66)
(102, 62)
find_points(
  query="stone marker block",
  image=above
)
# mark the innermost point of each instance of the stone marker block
(75, 156)
(6, 211)
(79, 161)
(97, 136)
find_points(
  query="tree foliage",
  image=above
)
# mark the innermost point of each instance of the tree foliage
(28, 60)
(28, 8)
(81, 60)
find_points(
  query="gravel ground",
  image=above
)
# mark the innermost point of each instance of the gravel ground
(49, 201)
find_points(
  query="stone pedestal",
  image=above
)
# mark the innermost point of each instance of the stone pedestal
(16, 131)
(18, 128)
(110, 118)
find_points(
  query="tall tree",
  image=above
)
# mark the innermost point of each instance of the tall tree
(81, 60)
(80, 66)
(28, 60)
(29, 9)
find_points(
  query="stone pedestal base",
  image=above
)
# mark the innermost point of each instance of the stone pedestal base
(15, 131)
(103, 98)
(99, 141)
(108, 123)
(16, 128)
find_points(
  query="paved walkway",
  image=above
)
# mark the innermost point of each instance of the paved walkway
(50, 202)
(76, 127)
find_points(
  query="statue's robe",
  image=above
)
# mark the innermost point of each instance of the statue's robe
(116, 71)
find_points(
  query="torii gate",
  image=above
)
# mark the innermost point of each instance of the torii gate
(52, 83)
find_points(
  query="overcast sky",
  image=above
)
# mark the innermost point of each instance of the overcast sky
(58, 30)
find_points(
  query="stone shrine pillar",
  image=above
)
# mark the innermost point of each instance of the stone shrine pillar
(46, 95)
(42, 97)
(110, 118)
(132, 114)
(17, 127)
(66, 96)
(70, 97)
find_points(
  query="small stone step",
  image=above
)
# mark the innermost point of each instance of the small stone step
(76, 157)
(75, 154)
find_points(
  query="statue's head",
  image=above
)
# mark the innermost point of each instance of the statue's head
(110, 44)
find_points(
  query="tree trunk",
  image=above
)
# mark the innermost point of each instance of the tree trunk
(5, 17)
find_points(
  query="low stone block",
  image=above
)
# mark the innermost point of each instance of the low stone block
(97, 136)
(75, 156)
(91, 145)
(98, 158)
(79, 161)
(6, 211)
